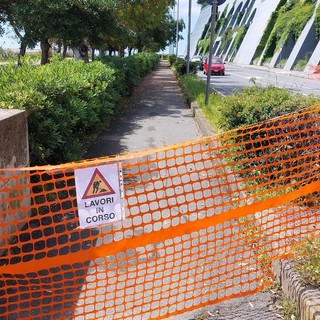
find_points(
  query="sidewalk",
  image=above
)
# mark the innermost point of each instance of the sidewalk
(157, 115)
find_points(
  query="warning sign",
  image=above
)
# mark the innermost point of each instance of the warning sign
(98, 186)
(99, 194)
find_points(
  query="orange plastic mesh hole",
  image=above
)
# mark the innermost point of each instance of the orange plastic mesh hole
(203, 221)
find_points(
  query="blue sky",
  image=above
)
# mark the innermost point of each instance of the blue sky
(8, 41)
(183, 13)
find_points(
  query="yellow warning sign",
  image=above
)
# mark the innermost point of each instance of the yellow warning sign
(98, 186)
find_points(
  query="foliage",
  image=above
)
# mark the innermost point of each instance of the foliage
(203, 46)
(240, 36)
(158, 27)
(252, 105)
(69, 101)
(226, 37)
(192, 87)
(301, 64)
(287, 309)
(7, 55)
(180, 66)
(307, 261)
(255, 104)
(291, 20)
(130, 70)
(107, 24)
(317, 23)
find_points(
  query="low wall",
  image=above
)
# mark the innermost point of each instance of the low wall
(14, 153)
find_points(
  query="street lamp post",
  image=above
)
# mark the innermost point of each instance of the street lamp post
(213, 20)
(214, 10)
(189, 32)
(177, 31)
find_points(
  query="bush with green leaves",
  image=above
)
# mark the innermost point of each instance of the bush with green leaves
(180, 67)
(249, 106)
(68, 101)
(130, 70)
(290, 21)
(65, 100)
(256, 104)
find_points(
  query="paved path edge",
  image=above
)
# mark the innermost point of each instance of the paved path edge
(307, 298)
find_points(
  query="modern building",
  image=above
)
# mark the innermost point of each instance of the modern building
(274, 33)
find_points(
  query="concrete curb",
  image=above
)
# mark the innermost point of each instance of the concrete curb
(307, 298)
(200, 119)
(300, 74)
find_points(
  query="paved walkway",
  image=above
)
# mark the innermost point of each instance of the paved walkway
(157, 115)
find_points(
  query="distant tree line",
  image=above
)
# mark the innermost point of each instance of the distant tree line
(106, 25)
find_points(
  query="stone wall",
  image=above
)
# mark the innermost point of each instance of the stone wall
(14, 153)
(14, 150)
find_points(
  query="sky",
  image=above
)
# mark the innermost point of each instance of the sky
(183, 14)
(8, 41)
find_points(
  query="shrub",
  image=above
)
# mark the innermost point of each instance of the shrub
(69, 101)
(65, 100)
(180, 66)
(256, 104)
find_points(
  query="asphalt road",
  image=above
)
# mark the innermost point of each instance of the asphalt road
(237, 77)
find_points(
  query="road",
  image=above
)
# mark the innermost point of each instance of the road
(238, 77)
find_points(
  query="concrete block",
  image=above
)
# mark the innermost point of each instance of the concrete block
(306, 297)
(14, 185)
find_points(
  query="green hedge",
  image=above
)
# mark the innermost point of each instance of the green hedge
(69, 101)
(179, 66)
(250, 106)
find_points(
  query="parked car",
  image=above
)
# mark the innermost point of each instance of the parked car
(217, 66)
(196, 59)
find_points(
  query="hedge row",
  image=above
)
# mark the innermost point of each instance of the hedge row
(69, 101)
(250, 106)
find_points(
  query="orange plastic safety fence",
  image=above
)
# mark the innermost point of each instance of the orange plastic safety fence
(203, 221)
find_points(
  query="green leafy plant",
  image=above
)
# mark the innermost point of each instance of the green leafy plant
(301, 64)
(69, 102)
(290, 21)
(307, 261)
(285, 308)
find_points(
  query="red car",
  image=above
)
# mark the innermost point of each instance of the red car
(217, 66)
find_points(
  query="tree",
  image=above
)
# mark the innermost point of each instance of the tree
(149, 21)
(75, 21)
(112, 25)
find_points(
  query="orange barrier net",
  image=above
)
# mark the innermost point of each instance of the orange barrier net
(203, 221)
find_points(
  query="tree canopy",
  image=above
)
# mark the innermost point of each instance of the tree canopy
(113, 25)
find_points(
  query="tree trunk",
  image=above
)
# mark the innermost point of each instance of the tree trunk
(81, 53)
(121, 51)
(22, 51)
(45, 47)
(92, 54)
(65, 48)
(59, 49)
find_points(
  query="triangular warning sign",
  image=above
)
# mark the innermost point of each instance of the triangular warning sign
(98, 186)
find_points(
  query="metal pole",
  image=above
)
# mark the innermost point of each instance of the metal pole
(213, 20)
(189, 32)
(177, 31)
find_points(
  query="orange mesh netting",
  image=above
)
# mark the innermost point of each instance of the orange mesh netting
(203, 220)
